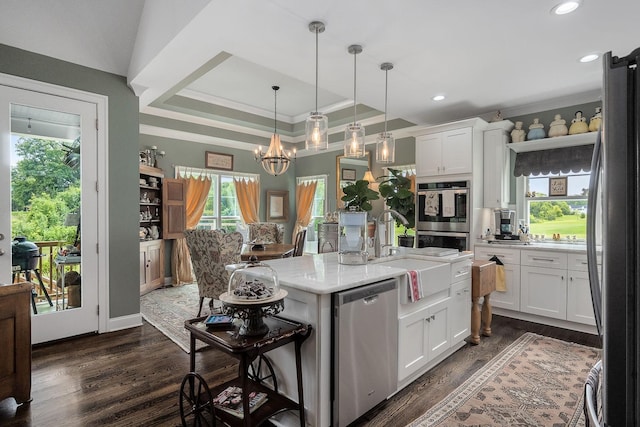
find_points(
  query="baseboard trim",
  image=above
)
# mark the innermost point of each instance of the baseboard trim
(124, 322)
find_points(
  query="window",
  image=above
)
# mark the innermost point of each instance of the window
(221, 210)
(563, 215)
(318, 209)
(393, 229)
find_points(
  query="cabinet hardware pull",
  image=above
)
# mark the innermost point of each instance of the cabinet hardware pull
(561, 277)
(433, 317)
(427, 320)
(543, 259)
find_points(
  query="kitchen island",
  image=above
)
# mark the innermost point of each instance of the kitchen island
(310, 282)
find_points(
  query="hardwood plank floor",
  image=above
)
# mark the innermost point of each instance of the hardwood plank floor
(132, 378)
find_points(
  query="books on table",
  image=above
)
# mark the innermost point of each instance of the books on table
(230, 400)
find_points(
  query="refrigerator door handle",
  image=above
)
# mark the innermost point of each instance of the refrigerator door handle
(594, 280)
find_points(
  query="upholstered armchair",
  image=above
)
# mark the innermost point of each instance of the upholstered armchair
(266, 231)
(211, 251)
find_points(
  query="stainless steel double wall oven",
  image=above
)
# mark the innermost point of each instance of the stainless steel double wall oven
(443, 215)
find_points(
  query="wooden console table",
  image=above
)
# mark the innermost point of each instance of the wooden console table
(15, 341)
(483, 282)
(246, 349)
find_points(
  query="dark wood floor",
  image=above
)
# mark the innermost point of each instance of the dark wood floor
(132, 378)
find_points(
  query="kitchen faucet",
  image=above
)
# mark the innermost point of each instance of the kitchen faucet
(379, 246)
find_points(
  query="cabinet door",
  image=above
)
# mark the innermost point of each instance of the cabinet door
(155, 261)
(173, 208)
(496, 169)
(579, 305)
(457, 151)
(412, 343)
(544, 291)
(438, 329)
(428, 154)
(460, 311)
(510, 299)
(143, 269)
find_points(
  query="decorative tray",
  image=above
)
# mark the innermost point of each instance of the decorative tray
(230, 299)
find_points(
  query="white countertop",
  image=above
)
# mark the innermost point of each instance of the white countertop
(322, 274)
(579, 247)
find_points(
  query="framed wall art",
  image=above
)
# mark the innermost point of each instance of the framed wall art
(348, 174)
(558, 186)
(218, 161)
(277, 205)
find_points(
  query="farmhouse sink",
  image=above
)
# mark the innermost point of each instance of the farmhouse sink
(434, 276)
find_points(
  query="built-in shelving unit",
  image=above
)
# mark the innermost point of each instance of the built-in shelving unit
(551, 143)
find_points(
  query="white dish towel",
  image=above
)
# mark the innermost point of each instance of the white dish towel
(448, 203)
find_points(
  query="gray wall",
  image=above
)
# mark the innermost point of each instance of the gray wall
(124, 289)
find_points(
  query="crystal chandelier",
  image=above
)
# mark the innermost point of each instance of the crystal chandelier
(317, 124)
(385, 144)
(275, 161)
(354, 133)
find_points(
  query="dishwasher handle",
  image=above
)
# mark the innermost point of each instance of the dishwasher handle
(367, 292)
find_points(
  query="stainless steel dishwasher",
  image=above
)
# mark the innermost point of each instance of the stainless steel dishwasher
(365, 352)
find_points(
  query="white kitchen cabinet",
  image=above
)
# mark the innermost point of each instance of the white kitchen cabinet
(579, 305)
(422, 336)
(445, 153)
(543, 291)
(510, 299)
(460, 310)
(496, 164)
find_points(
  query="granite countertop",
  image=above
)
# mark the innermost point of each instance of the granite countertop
(322, 274)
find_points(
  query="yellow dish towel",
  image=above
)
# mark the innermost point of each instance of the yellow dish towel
(501, 283)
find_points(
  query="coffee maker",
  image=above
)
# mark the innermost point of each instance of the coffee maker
(505, 224)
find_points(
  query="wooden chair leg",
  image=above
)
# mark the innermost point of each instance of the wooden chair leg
(200, 309)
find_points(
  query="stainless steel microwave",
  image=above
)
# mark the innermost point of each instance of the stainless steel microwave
(443, 206)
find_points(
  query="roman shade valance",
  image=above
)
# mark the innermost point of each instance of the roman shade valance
(556, 160)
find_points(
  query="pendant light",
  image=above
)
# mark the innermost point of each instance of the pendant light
(317, 124)
(354, 133)
(385, 144)
(275, 161)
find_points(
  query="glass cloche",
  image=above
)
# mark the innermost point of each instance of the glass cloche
(252, 294)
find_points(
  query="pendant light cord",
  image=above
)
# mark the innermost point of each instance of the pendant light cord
(275, 105)
(386, 86)
(316, 111)
(354, 87)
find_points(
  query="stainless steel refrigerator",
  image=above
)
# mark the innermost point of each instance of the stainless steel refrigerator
(616, 170)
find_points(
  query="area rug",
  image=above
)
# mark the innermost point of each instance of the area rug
(167, 309)
(536, 381)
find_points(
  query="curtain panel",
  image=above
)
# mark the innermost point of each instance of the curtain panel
(305, 193)
(196, 191)
(248, 195)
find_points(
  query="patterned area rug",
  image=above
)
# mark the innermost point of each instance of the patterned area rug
(536, 381)
(167, 309)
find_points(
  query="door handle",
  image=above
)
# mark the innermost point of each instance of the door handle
(371, 299)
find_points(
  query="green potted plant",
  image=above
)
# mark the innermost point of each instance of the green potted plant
(397, 194)
(359, 194)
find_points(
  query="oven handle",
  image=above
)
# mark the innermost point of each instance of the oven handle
(439, 191)
(442, 233)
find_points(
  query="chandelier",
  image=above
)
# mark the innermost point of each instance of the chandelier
(317, 124)
(354, 133)
(275, 161)
(385, 144)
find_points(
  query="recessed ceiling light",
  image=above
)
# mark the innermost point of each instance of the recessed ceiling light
(589, 58)
(566, 7)
(438, 98)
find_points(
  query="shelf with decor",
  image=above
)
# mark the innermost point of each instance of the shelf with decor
(556, 142)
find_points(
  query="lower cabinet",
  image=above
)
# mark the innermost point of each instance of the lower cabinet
(423, 335)
(15, 341)
(543, 291)
(460, 311)
(151, 265)
(509, 299)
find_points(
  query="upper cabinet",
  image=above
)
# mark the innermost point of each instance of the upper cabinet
(496, 164)
(448, 149)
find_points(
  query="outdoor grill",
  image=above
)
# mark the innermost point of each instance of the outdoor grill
(24, 254)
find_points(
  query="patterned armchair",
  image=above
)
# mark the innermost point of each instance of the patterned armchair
(210, 251)
(266, 231)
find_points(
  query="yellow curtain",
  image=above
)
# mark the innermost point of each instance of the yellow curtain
(304, 201)
(196, 191)
(412, 177)
(248, 195)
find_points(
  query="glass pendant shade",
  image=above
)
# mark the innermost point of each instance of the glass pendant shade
(317, 132)
(354, 133)
(385, 148)
(385, 143)
(354, 140)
